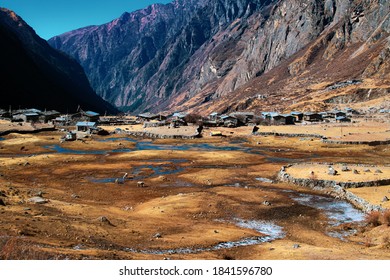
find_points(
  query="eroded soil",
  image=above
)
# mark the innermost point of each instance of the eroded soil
(201, 199)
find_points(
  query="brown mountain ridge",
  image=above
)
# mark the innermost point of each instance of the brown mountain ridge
(205, 56)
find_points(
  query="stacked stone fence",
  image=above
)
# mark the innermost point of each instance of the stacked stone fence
(323, 138)
(288, 134)
(144, 134)
(336, 189)
(6, 132)
(370, 143)
(154, 124)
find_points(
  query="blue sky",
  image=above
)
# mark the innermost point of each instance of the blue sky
(54, 17)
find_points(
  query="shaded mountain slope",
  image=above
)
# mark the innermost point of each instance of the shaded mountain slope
(33, 74)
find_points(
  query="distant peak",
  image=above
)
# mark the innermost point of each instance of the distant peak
(11, 14)
(125, 15)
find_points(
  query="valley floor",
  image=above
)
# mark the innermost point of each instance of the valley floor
(117, 197)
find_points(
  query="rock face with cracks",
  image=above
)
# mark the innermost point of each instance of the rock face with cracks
(194, 53)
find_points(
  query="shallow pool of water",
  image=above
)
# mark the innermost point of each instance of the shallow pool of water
(271, 231)
(338, 211)
(61, 150)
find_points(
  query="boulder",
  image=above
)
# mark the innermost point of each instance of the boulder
(345, 169)
(105, 220)
(332, 172)
(267, 203)
(38, 200)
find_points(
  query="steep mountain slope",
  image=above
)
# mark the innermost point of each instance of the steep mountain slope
(138, 60)
(237, 54)
(33, 74)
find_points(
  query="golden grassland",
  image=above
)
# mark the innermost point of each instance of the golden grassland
(193, 204)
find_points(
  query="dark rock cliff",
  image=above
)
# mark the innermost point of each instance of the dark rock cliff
(196, 53)
(33, 74)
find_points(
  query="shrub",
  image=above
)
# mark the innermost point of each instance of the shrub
(386, 218)
(368, 242)
(16, 248)
(372, 218)
(192, 118)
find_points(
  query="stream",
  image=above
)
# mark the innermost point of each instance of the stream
(269, 231)
(337, 211)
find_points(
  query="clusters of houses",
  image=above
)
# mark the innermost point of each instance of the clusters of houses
(88, 121)
(276, 118)
(236, 119)
(30, 115)
(83, 120)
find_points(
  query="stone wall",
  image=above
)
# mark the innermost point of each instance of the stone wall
(144, 134)
(289, 134)
(51, 128)
(324, 139)
(370, 143)
(337, 190)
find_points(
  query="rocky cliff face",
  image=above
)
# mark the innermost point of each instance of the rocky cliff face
(219, 54)
(33, 74)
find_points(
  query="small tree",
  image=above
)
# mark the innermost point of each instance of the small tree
(192, 118)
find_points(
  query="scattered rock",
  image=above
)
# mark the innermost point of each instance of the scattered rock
(158, 235)
(105, 220)
(38, 200)
(355, 171)
(265, 180)
(367, 170)
(385, 199)
(332, 172)
(2, 203)
(296, 246)
(27, 209)
(140, 184)
(345, 169)
(75, 196)
(267, 203)
(378, 171)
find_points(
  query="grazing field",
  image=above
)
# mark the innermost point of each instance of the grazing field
(118, 197)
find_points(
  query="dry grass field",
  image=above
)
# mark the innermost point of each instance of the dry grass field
(200, 199)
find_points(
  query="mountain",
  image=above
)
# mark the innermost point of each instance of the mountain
(228, 55)
(33, 74)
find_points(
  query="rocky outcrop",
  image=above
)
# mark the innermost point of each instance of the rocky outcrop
(211, 54)
(33, 74)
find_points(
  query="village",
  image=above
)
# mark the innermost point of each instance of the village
(89, 121)
(182, 186)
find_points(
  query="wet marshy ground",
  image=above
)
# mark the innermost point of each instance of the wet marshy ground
(198, 201)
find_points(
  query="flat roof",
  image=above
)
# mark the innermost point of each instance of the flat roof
(86, 124)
